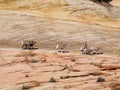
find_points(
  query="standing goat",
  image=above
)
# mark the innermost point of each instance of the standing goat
(28, 44)
(60, 48)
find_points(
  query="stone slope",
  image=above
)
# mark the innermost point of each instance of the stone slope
(55, 8)
(17, 26)
(59, 21)
(18, 70)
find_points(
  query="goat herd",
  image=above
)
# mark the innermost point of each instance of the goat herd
(60, 48)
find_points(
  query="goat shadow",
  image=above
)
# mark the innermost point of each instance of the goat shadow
(63, 51)
(30, 49)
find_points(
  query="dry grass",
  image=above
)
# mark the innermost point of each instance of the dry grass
(27, 56)
(24, 54)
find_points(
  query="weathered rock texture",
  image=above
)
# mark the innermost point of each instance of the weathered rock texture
(19, 73)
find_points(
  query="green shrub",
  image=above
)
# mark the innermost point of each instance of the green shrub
(34, 61)
(52, 80)
(100, 79)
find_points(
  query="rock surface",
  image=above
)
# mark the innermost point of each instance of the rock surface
(52, 22)
(18, 72)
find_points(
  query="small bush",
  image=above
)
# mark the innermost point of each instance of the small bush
(52, 80)
(73, 60)
(61, 77)
(32, 54)
(34, 61)
(100, 79)
(95, 73)
(26, 75)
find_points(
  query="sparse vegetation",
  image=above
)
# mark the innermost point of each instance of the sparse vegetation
(50, 22)
(27, 55)
(100, 79)
(96, 73)
(52, 80)
(38, 74)
(24, 54)
(34, 61)
(32, 54)
(26, 75)
(73, 60)
(30, 84)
